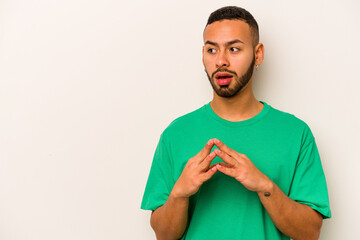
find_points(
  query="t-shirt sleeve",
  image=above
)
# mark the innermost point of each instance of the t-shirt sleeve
(160, 180)
(309, 184)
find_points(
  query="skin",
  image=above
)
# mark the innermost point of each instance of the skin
(236, 58)
(295, 220)
(169, 221)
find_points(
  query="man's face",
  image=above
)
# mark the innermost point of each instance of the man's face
(228, 56)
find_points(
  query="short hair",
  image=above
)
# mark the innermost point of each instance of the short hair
(236, 13)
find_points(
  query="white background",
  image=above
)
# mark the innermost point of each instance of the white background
(87, 87)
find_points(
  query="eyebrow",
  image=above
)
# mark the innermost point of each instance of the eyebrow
(227, 44)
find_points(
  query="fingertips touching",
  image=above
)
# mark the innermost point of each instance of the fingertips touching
(216, 141)
(221, 168)
(210, 143)
(218, 152)
(208, 146)
(222, 165)
(213, 166)
(210, 172)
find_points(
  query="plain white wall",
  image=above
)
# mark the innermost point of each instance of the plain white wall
(87, 87)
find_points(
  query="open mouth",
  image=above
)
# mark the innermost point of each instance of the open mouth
(223, 78)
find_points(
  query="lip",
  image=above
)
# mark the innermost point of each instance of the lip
(223, 78)
(223, 81)
(223, 74)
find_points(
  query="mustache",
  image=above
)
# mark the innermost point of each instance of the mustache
(223, 70)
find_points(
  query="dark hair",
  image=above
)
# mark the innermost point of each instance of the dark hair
(236, 13)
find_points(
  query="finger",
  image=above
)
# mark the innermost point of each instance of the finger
(206, 150)
(225, 157)
(210, 173)
(224, 148)
(214, 165)
(206, 162)
(226, 170)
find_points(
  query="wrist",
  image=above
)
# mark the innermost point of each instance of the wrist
(176, 193)
(178, 200)
(267, 188)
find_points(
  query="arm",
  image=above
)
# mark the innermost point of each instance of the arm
(170, 220)
(295, 220)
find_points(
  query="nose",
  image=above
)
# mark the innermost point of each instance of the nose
(222, 60)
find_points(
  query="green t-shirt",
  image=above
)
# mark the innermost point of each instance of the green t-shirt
(279, 144)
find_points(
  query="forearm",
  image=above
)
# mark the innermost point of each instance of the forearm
(295, 220)
(169, 221)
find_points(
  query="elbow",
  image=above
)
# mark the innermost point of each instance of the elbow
(313, 236)
(317, 230)
(159, 233)
(310, 236)
(313, 233)
(152, 221)
(317, 226)
(163, 232)
(166, 234)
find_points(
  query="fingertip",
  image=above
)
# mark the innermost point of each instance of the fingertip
(217, 151)
(220, 168)
(222, 164)
(210, 143)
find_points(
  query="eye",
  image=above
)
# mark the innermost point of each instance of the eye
(211, 50)
(234, 49)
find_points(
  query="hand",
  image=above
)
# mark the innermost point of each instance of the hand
(196, 172)
(240, 167)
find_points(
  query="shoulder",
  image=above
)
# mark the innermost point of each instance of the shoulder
(186, 122)
(290, 122)
(191, 117)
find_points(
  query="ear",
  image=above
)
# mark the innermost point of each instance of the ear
(203, 49)
(259, 53)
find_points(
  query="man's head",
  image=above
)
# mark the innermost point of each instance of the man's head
(236, 13)
(231, 50)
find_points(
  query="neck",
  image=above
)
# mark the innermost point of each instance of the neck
(240, 107)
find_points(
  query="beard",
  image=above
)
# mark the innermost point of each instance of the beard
(240, 82)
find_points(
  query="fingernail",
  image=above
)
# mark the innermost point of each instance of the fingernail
(212, 154)
(216, 140)
(209, 142)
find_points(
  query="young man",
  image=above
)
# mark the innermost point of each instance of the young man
(264, 178)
